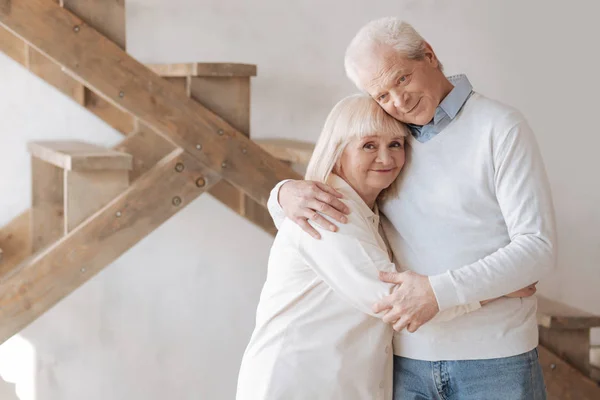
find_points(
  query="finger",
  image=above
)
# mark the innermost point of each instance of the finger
(392, 316)
(382, 305)
(306, 227)
(320, 220)
(413, 326)
(333, 201)
(326, 188)
(401, 324)
(391, 277)
(321, 204)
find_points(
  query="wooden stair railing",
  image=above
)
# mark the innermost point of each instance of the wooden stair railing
(206, 143)
(565, 331)
(223, 88)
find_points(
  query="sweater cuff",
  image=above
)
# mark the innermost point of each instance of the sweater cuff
(444, 290)
(273, 205)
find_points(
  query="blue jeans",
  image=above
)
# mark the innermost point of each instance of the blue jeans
(510, 378)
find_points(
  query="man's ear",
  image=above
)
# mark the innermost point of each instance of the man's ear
(430, 56)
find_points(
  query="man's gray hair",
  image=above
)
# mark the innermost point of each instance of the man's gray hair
(390, 31)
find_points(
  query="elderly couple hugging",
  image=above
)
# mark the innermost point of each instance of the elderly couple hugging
(430, 211)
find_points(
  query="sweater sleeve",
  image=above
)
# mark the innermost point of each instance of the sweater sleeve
(273, 205)
(523, 194)
(349, 262)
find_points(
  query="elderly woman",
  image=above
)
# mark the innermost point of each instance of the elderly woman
(316, 336)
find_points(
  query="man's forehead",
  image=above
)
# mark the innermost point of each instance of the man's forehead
(378, 67)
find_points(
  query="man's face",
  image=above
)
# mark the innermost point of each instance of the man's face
(408, 90)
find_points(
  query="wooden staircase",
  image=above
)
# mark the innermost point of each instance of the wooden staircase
(187, 129)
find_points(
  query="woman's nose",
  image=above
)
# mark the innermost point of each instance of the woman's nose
(384, 156)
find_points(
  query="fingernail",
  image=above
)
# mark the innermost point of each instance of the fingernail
(332, 228)
(344, 220)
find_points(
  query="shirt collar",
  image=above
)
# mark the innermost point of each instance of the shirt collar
(339, 184)
(457, 97)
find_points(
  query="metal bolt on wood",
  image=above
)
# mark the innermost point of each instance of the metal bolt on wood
(220, 132)
(176, 200)
(179, 167)
(199, 146)
(552, 366)
(223, 164)
(121, 94)
(118, 214)
(76, 28)
(200, 182)
(244, 150)
(82, 269)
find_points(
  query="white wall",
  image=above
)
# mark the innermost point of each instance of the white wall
(170, 319)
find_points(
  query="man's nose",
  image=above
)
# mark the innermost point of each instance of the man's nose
(400, 100)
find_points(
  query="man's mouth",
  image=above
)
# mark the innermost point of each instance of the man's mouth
(414, 107)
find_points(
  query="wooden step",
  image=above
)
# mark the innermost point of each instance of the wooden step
(595, 356)
(563, 382)
(565, 330)
(70, 181)
(79, 156)
(552, 314)
(293, 151)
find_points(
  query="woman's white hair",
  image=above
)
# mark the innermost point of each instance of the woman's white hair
(389, 31)
(355, 116)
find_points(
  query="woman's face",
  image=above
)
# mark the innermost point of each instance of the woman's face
(372, 163)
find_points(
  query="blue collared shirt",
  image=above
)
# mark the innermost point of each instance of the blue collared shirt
(447, 109)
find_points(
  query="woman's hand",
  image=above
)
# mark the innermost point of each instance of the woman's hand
(301, 200)
(525, 292)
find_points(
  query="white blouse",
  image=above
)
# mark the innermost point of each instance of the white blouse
(316, 336)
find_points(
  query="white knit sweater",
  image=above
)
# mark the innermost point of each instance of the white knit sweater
(474, 212)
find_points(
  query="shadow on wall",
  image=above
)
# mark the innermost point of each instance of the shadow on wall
(7, 391)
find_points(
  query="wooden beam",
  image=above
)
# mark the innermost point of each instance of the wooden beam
(15, 242)
(563, 382)
(203, 69)
(107, 17)
(146, 147)
(293, 151)
(552, 314)
(47, 277)
(80, 156)
(115, 117)
(53, 74)
(13, 46)
(107, 69)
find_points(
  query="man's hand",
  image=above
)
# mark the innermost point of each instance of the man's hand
(301, 200)
(411, 305)
(525, 292)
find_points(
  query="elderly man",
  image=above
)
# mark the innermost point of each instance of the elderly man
(474, 220)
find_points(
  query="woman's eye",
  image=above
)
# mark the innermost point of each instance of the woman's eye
(381, 97)
(397, 144)
(403, 79)
(369, 146)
